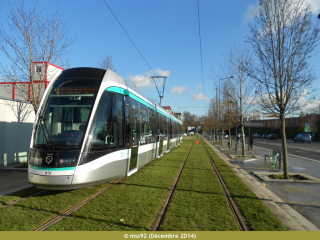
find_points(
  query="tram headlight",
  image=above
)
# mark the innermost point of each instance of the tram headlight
(36, 161)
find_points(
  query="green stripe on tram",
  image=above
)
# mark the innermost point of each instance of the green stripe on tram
(52, 169)
(127, 93)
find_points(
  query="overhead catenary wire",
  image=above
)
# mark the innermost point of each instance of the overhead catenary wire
(138, 50)
(200, 48)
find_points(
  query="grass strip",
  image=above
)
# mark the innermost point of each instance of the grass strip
(34, 211)
(257, 214)
(132, 205)
(17, 195)
(199, 203)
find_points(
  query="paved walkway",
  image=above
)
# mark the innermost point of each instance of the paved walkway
(13, 180)
(296, 204)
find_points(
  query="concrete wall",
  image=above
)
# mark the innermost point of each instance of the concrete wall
(16, 121)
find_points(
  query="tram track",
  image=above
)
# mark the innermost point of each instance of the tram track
(23, 198)
(156, 225)
(234, 208)
(72, 209)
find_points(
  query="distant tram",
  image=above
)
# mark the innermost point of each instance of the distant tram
(93, 127)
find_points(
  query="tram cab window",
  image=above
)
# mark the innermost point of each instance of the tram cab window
(65, 112)
(107, 128)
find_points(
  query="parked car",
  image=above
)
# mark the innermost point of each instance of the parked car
(184, 134)
(264, 135)
(256, 135)
(303, 137)
(272, 136)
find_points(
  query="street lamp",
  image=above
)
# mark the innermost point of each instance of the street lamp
(236, 148)
(220, 135)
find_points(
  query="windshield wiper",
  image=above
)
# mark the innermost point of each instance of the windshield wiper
(46, 133)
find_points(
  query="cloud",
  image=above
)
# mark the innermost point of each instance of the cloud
(196, 90)
(248, 15)
(144, 80)
(200, 97)
(315, 6)
(178, 89)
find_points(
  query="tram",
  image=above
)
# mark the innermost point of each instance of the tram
(92, 127)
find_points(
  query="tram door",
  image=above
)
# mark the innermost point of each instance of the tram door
(135, 133)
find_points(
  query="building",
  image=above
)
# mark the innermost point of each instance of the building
(17, 114)
(168, 109)
(15, 89)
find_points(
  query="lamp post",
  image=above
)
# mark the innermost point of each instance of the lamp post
(236, 147)
(220, 135)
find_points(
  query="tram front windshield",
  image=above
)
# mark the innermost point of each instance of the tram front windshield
(65, 113)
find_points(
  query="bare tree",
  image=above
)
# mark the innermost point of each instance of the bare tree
(189, 120)
(107, 63)
(313, 120)
(32, 36)
(302, 121)
(20, 109)
(228, 109)
(240, 86)
(283, 37)
(211, 122)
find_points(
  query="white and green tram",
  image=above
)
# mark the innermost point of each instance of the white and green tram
(93, 127)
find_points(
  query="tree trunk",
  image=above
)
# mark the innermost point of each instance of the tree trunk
(242, 137)
(284, 146)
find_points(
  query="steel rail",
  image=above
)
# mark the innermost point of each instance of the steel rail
(69, 211)
(234, 208)
(157, 223)
(21, 199)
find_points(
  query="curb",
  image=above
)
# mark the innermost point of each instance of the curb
(293, 220)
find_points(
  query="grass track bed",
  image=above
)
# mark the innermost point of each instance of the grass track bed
(256, 213)
(199, 203)
(133, 204)
(32, 212)
(18, 195)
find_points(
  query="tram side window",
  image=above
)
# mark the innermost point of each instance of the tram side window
(144, 121)
(135, 122)
(166, 125)
(160, 117)
(152, 125)
(120, 120)
(108, 123)
(169, 128)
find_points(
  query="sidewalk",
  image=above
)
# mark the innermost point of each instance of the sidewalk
(13, 180)
(295, 203)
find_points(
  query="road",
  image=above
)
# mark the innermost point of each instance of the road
(305, 151)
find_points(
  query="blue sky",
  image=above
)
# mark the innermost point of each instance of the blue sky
(167, 34)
